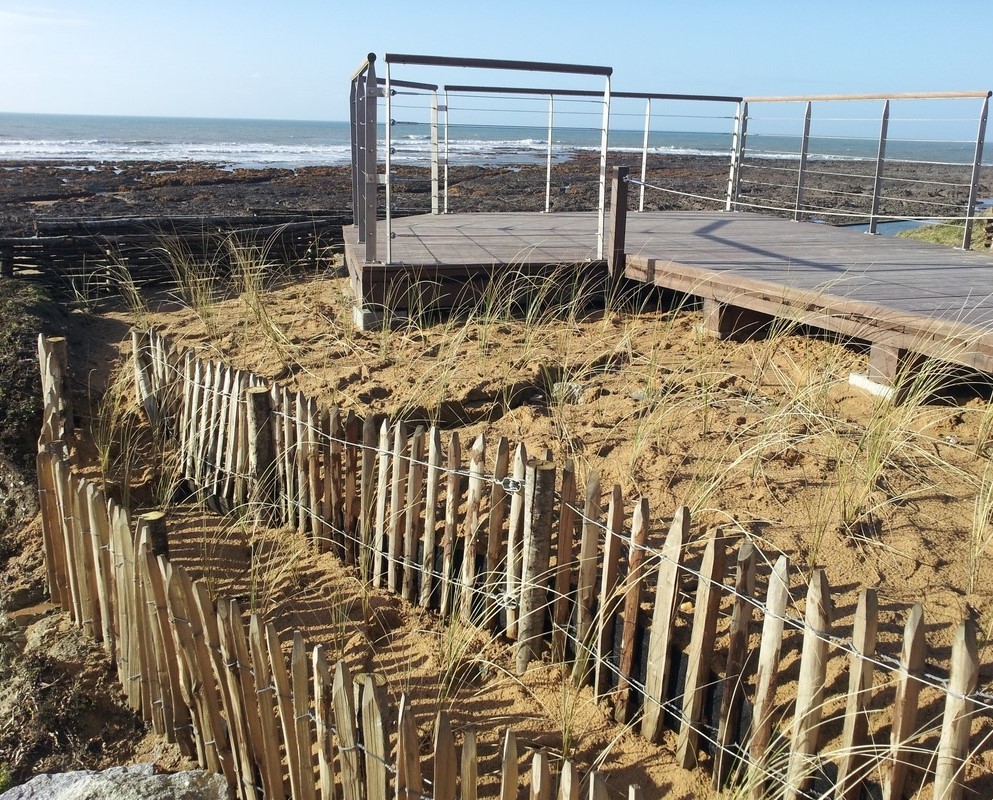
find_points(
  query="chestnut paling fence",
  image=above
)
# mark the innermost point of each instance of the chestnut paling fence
(501, 540)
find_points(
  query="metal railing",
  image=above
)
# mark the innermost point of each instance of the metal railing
(366, 91)
(883, 159)
(785, 155)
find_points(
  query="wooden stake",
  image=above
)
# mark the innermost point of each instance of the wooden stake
(568, 782)
(708, 601)
(953, 747)
(353, 437)
(515, 535)
(408, 759)
(624, 705)
(344, 717)
(539, 503)
(767, 675)
(610, 597)
(905, 705)
(509, 772)
(733, 696)
(379, 543)
(663, 616)
(471, 528)
(564, 562)
(414, 517)
(323, 724)
(453, 498)
(367, 497)
(428, 579)
(261, 455)
(855, 737)
(810, 689)
(469, 777)
(443, 787)
(375, 738)
(495, 561)
(585, 588)
(541, 777)
(398, 499)
(270, 764)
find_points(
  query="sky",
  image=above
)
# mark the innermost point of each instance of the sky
(292, 59)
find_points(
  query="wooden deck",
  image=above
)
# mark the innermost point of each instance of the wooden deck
(904, 297)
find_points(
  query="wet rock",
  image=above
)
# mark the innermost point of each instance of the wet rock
(138, 782)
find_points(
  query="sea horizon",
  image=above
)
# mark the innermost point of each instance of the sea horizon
(268, 143)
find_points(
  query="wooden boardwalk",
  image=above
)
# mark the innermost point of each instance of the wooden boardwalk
(904, 297)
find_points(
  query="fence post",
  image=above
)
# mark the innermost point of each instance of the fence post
(617, 223)
(801, 175)
(261, 454)
(706, 607)
(564, 561)
(154, 524)
(469, 771)
(444, 758)
(610, 599)
(767, 674)
(515, 527)
(624, 705)
(734, 676)
(666, 594)
(509, 772)
(977, 163)
(854, 738)
(370, 170)
(375, 739)
(738, 137)
(953, 747)
(810, 689)
(908, 689)
(877, 181)
(538, 503)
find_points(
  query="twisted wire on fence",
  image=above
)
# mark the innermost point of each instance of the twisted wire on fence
(982, 699)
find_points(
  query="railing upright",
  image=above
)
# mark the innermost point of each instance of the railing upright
(434, 151)
(604, 134)
(445, 111)
(977, 162)
(548, 155)
(804, 145)
(737, 152)
(364, 95)
(388, 155)
(644, 152)
(357, 171)
(877, 181)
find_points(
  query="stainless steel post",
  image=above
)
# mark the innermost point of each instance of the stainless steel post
(434, 152)
(446, 151)
(604, 134)
(877, 182)
(644, 152)
(370, 172)
(804, 144)
(548, 157)
(388, 146)
(737, 153)
(357, 175)
(977, 162)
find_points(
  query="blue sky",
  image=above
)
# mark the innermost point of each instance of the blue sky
(292, 59)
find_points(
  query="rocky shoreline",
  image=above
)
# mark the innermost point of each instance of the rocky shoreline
(46, 190)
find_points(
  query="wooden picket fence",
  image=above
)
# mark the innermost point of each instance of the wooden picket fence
(506, 542)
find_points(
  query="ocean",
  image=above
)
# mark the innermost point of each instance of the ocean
(291, 144)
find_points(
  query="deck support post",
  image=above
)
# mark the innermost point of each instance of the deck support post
(617, 224)
(724, 321)
(888, 364)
